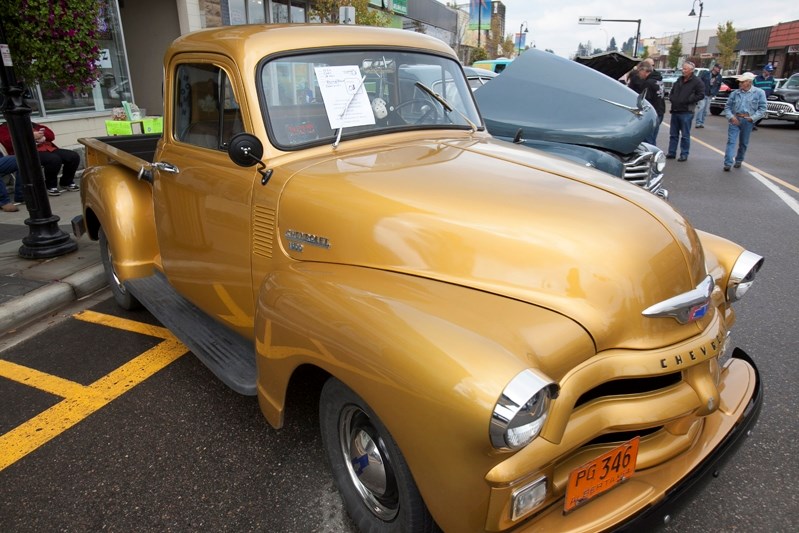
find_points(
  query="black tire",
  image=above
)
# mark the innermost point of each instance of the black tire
(122, 296)
(383, 498)
(715, 112)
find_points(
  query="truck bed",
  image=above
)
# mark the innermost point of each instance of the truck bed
(132, 151)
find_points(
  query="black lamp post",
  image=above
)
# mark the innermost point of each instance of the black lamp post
(45, 239)
(522, 25)
(699, 21)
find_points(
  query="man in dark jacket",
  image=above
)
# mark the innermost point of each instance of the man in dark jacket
(685, 93)
(712, 81)
(651, 81)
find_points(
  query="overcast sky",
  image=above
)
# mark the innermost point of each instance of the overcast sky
(553, 24)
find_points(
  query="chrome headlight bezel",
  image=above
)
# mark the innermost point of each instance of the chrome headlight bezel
(521, 410)
(660, 161)
(743, 274)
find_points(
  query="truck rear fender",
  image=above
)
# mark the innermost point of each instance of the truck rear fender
(114, 199)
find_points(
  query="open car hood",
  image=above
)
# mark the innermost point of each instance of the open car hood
(554, 99)
(612, 64)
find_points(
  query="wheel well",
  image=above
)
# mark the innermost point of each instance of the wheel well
(304, 389)
(92, 224)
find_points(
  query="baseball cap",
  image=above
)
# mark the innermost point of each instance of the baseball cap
(746, 76)
(769, 68)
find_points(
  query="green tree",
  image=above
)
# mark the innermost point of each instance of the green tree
(53, 41)
(328, 10)
(479, 54)
(727, 41)
(509, 48)
(612, 47)
(675, 52)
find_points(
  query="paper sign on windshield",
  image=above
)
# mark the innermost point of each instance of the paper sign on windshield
(344, 95)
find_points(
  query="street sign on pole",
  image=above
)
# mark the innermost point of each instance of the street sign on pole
(589, 20)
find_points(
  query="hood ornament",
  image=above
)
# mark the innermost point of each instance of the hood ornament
(637, 111)
(685, 307)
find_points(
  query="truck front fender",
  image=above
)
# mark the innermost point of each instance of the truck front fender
(114, 199)
(430, 358)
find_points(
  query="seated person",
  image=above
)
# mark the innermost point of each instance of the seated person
(51, 157)
(8, 164)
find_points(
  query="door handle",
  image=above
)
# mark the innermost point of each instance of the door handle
(166, 167)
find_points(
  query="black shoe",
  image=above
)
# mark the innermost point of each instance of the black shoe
(726, 168)
(670, 156)
(683, 158)
(71, 187)
(738, 164)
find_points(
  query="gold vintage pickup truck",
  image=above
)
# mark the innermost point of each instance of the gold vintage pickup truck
(508, 340)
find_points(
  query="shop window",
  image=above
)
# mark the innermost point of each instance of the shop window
(255, 11)
(112, 87)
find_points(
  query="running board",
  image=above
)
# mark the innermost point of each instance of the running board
(228, 355)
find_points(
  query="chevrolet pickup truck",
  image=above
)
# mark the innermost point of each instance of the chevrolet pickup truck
(507, 340)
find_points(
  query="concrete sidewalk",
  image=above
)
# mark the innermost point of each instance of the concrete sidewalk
(33, 288)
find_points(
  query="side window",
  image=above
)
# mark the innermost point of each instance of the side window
(206, 111)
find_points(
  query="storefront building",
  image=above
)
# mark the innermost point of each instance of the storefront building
(783, 48)
(135, 33)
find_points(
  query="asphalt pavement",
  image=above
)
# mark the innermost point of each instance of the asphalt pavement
(32, 289)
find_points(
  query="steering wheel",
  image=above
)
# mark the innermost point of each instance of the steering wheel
(431, 109)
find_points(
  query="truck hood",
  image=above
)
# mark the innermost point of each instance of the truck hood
(554, 99)
(498, 218)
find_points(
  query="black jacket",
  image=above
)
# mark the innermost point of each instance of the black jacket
(685, 94)
(654, 91)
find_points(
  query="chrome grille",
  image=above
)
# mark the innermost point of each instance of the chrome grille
(779, 107)
(639, 169)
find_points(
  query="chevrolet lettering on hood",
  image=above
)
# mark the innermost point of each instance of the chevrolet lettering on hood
(296, 238)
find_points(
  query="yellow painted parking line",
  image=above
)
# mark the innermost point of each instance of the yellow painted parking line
(81, 401)
(125, 324)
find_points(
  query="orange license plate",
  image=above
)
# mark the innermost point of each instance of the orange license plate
(602, 474)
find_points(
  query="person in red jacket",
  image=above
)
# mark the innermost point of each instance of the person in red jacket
(52, 158)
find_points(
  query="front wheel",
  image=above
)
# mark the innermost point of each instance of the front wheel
(375, 483)
(715, 112)
(122, 296)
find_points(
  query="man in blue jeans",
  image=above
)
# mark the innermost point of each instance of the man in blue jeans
(712, 81)
(745, 106)
(685, 93)
(8, 164)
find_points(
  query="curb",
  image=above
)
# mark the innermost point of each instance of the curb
(45, 299)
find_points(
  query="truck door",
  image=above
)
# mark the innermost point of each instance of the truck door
(202, 200)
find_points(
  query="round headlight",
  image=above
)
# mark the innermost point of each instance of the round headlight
(743, 275)
(660, 161)
(521, 410)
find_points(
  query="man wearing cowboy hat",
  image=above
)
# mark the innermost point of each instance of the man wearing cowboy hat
(745, 106)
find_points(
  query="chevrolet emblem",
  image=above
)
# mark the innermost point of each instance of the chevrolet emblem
(685, 307)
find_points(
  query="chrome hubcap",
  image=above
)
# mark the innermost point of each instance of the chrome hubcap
(368, 463)
(114, 277)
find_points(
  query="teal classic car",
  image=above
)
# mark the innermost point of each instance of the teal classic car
(567, 109)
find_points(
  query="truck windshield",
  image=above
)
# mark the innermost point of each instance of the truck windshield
(308, 98)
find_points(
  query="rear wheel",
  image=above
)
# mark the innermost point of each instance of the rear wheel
(375, 483)
(122, 296)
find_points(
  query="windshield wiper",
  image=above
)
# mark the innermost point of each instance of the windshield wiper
(344, 112)
(446, 105)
